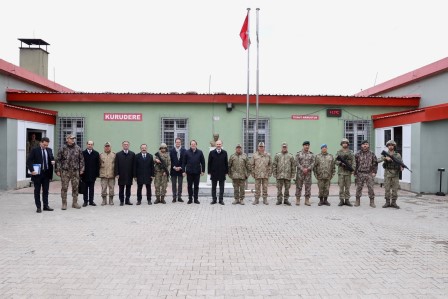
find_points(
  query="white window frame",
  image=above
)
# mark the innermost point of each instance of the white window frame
(72, 125)
(264, 135)
(356, 131)
(180, 129)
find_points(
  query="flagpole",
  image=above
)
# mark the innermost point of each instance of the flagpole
(258, 74)
(247, 94)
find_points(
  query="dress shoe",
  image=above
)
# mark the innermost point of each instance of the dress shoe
(38, 210)
(139, 202)
(221, 202)
(48, 209)
(121, 203)
(196, 201)
(92, 204)
(174, 200)
(180, 199)
(190, 201)
(129, 203)
(84, 204)
(213, 202)
(149, 202)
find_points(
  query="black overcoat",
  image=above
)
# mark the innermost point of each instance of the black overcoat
(218, 165)
(143, 168)
(91, 166)
(124, 167)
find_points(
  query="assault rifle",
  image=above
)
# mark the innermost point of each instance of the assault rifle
(395, 160)
(162, 162)
(345, 163)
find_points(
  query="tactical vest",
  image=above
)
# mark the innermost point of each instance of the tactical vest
(391, 164)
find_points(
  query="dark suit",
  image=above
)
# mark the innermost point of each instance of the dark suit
(144, 172)
(176, 176)
(193, 164)
(218, 168)
(91, 172)
(42, 179)
(124, 168)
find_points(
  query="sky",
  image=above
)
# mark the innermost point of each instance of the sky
(322, 47)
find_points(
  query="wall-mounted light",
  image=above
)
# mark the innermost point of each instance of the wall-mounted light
(229, 107)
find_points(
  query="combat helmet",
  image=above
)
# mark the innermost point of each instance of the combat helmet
(163, 145)
(345, 140)
(391, 142)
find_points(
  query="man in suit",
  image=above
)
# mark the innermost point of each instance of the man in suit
(143, 173)
(91, 172)
(218, 168)
(124, 171)
(177, 153)
(193, 166)
(42, 155)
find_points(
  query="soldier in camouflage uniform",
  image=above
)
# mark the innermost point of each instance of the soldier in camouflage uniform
(284, 170)
(305, 164)
(239, 171)
(391, 175)
(345, 175)
(107, 174)
(260, 165)
(324, 170)
(69, 166)
(365, 172)
(161, 173)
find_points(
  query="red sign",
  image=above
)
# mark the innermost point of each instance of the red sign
(304, 117)
(334, 112)
(123, 117)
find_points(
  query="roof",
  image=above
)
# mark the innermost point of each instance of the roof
(34, 41)
(427, 114)
(30, 77)
(330, 100)
(408, 78)
(27, 113)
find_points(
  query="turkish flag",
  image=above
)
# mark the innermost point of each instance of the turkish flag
(244, 33)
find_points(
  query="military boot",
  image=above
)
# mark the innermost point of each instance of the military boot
(279, 201)
(286, 202)
(162, 200)
(307, 201)
(341, 202)
(297, 201)
(387, 203)
(321, 201)
(64, 204)
(242, 202)
(326, 201)
(104, 201)
(75, 203)
(394, 204)
(357, 202)
(157, 200)
(111, 200)
(348, 203)
(372, 203)
(256, 201)
(265, 201)
(236, 201)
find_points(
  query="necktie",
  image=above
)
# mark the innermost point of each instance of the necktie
(144, 156)
(89, 152)
(219, 151)
(44, 160)
(178, 153)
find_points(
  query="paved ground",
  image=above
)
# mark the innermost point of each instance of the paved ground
(180, 250)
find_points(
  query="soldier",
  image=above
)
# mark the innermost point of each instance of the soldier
(366, 166)
(261, 171)
(391, 175)
(324, 170)
(107, 174)
(305, 164)
(284, 170)
(162, 164)
(69, 166)
(344, 174)
(239, 171)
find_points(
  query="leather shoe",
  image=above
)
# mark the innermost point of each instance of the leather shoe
(139, 203)
(196, 201)
(129, 203)
(84, 204)
(92, 204)
(190, 201)
(121, 203)
(221, 202)
(48, 209)
(38, 210)
(180, 200)
(213, 202)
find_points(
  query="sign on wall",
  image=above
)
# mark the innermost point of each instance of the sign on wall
(304, 117)
(123, 117)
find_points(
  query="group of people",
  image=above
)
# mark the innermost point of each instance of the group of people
(73, 164)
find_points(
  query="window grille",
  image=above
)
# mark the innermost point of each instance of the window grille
(72, 125)
(251, 145)
(356, 131)
(172, 128)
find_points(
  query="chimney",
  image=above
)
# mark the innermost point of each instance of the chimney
(34, 58)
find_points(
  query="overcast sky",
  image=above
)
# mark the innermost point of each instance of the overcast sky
(306, 47)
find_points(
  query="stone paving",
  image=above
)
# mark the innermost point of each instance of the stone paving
(204, 251)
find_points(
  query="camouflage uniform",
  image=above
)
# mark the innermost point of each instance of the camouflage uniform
(239, 171)
(161, 178)
(304, 160)
(283, 169)
(324, 170)
(69, 163)
(260, 165)
(345, 176)
(391, 179)
(107, 175)
(366, 165)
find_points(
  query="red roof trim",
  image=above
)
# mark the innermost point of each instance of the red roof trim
(27, 113)
(408, 78)
(427, 114)
(15, 96)
(21, 73)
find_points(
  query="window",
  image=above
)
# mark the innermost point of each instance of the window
(72, 125)
(263, 135)
(356, 131)
(172, 128)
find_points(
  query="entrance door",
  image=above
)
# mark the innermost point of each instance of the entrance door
(33, 138)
